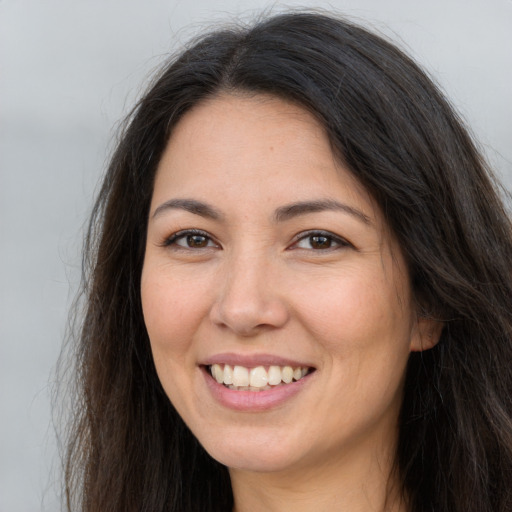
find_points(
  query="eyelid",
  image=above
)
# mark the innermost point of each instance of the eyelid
(171, 240)
(337, 239)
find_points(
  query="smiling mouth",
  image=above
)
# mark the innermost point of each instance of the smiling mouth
(260, 378)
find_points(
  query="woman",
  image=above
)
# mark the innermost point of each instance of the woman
(297, 290)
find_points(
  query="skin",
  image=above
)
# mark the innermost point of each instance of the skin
(257, 285)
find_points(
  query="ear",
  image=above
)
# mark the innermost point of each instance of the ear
(426, 333)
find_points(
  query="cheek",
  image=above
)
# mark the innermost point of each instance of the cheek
(357, 310)
(172, 309)
(172, 312)
(363, 324)
(364, 328)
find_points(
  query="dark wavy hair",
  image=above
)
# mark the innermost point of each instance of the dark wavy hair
(129, 450)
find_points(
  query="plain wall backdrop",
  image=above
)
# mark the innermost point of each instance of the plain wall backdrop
(69, 71)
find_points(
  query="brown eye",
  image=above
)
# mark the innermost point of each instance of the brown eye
(197, 241)
(190, 239)
(320, 242)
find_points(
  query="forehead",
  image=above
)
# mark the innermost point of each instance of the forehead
(257, 111)
(231, 128)
(258, 144)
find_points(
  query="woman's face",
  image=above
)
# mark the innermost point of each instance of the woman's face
(266, 261)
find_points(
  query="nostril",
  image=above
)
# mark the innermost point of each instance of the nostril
(249, 318)
(247, 302)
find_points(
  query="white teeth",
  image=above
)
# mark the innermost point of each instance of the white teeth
(228, 374)
(287, 374)
(256, 379)
(240, 376)
(274, 375)
(218, 373)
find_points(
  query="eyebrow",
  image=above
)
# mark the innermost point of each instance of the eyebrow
(189, 205)
(281, 214)
(304, 207)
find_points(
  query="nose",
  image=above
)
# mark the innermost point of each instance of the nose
(249, 300)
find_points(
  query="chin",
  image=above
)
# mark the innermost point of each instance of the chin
(254, 460)
(253, 452)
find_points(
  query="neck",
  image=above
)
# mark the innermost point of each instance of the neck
(356, 484)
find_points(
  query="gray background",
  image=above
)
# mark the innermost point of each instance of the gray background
(69, 70)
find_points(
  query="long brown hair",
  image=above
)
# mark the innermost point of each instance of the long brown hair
(129, 450)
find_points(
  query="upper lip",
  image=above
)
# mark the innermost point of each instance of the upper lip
(254, 360)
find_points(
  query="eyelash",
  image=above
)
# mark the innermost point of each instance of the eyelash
(328, 236)
(339, 242)
(175, 237)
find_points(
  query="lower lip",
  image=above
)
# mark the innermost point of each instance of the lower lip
(253, 401)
